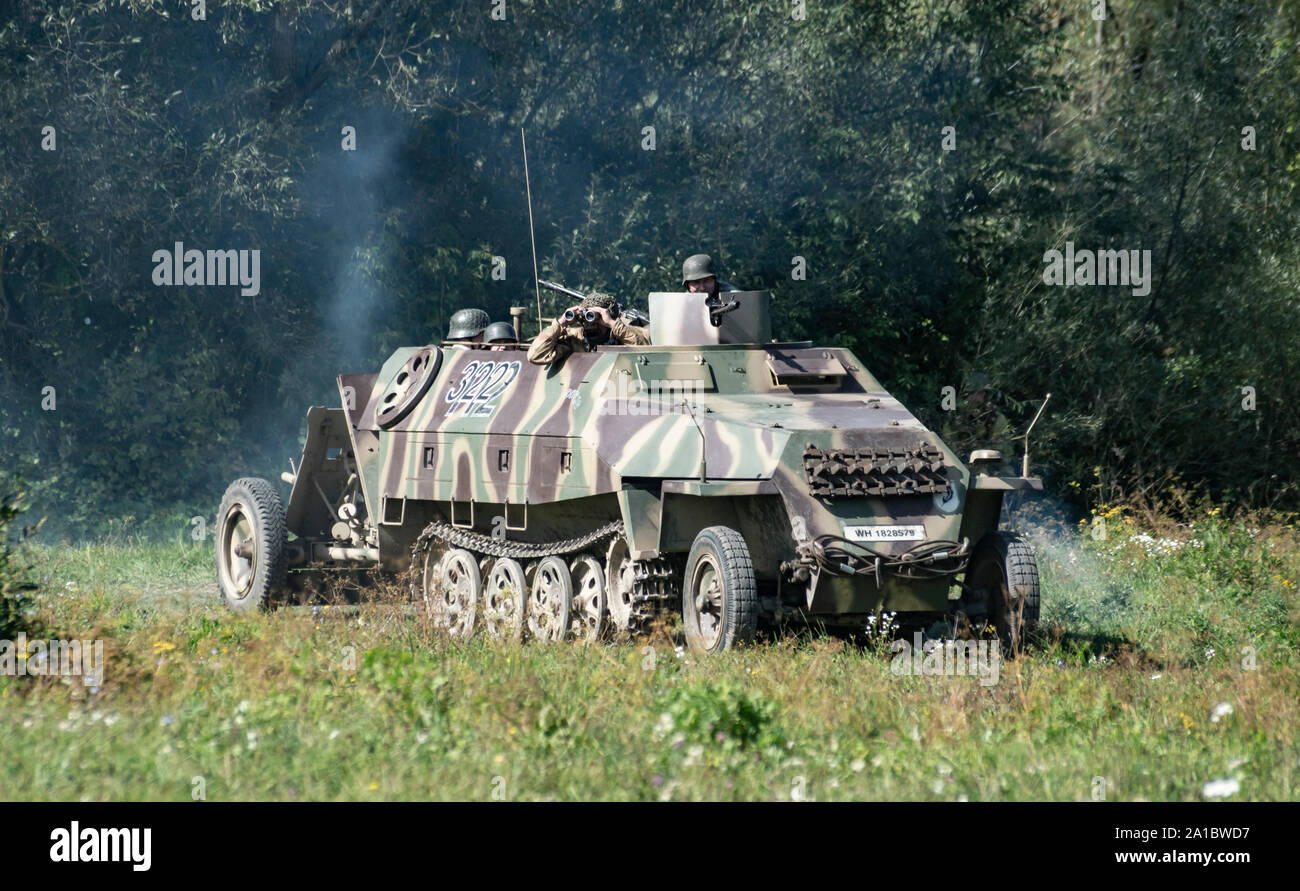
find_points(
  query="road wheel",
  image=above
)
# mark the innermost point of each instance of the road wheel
(452, 586)
(587, 616)
(720, 598)
(505, 600)
(251, 544)
(550, 600)
(620, 585)
(1003, 566)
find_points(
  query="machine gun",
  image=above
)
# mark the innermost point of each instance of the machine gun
(630, 316)
(718, 308)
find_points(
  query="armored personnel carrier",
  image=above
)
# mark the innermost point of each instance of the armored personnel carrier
(716, 475)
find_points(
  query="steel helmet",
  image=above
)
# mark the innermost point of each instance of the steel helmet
(465, 323)
(696, 267)
(499, 331)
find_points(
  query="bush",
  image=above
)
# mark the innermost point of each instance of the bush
(15, 606)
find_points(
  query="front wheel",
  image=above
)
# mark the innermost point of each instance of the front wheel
(719, 599)
(1003, 566)
(252, 544)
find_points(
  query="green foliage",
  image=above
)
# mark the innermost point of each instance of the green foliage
(15, 587)
(775, 139)
(722, 715)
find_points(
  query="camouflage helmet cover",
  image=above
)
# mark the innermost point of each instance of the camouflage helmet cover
(601, 299)
(696, 267)
(467, 323)
(499, 331)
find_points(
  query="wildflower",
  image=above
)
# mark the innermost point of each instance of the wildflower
(857, 765)
(657, 781)
(1220, 788)
(1221, 711)
(373, 786)
(1209, 652)
(168, 720)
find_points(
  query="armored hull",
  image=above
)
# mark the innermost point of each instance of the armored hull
(711, 475)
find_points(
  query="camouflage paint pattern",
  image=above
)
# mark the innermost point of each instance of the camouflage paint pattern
(670, 439)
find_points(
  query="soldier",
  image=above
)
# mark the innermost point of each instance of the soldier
(557, 341)
(499, 334)
(698, 276)
(467, 325)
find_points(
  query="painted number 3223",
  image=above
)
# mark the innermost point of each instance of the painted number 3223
(481, 383)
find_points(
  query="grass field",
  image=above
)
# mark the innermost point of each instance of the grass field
(1168, 660)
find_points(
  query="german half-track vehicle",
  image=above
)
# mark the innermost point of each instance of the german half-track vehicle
(717, 476)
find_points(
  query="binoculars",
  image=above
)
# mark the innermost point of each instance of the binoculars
(589, 315)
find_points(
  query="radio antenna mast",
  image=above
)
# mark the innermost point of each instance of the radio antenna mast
(532, 238)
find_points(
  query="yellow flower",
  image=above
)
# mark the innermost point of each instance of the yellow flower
(163, 646)
(374, 786)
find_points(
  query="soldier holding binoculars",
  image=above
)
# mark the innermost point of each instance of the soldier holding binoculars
(592, 322)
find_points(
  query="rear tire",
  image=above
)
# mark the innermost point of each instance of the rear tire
(251, 545)
(719, 597)
(1004, 566)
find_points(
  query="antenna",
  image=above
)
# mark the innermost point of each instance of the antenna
(529, 186)
(1024, 466)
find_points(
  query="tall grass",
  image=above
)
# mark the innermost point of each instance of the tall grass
(1146, 645)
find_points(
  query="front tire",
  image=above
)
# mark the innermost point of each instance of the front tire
(719, 598)
(251, 545)
(1004, 567)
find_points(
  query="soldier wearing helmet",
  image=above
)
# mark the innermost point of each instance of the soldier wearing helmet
(467, 326)
(561, 338)
(498, 334)
(698, 276)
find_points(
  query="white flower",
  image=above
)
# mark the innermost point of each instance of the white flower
(1220, 788)
(1221, 711)
(857, 765)
(1156, 677)
(1209, 652)
(334, 734)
